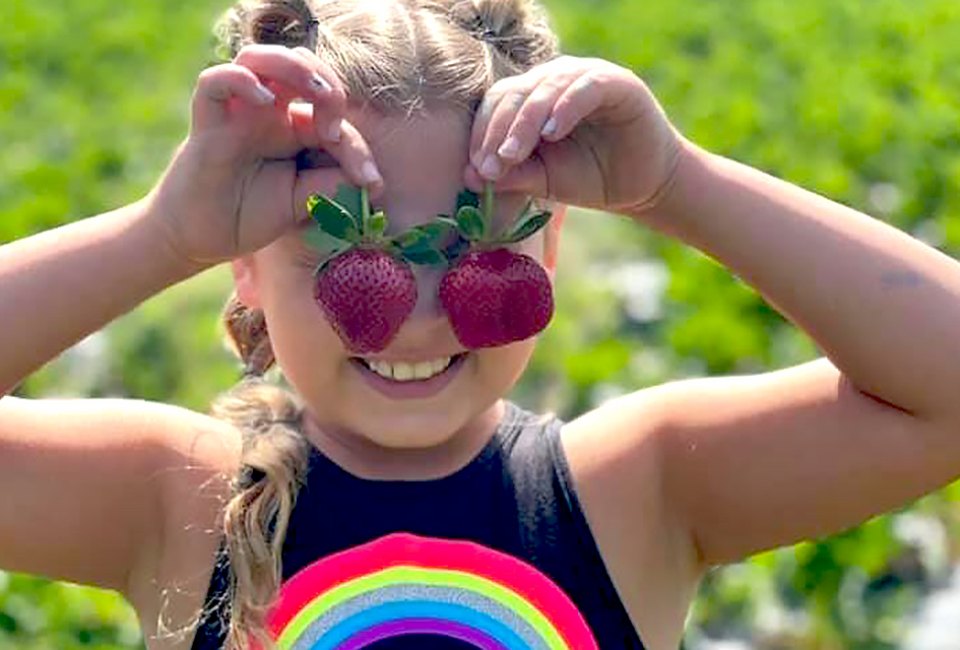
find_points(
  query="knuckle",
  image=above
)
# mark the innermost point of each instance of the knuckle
(305, 51)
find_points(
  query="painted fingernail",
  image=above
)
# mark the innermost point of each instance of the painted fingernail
(335, 131)
(550, 127)
(510, 147)
(320, 83)
(370, 174)
(264, 96)
(490, 167)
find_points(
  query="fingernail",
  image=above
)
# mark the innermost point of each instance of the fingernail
(550, 127)
(320, 83)
(509, 148)
(335, 131)
(490, 167)
(369, 173)
(264, 96)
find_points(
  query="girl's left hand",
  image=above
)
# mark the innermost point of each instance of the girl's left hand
(577, 131)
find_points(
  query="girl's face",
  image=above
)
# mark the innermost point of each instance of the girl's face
(422, 162)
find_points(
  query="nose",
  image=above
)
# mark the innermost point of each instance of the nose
(428, 307)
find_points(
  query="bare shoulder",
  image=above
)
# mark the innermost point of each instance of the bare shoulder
(94, 486)
(615, 457)
(707, 471)
(202, 456)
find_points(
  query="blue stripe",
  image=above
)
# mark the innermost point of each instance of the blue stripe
(418, 609)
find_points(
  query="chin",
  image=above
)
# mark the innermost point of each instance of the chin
(411, 429)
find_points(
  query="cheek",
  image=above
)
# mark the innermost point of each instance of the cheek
(500, 368)
(304, 342)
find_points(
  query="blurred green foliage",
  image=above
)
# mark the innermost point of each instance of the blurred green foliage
(855, 99)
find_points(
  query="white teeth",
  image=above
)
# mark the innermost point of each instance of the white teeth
(423, 370)
(408, 371)
(402, 371)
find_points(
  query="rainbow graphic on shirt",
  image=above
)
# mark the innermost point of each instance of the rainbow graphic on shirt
(404, 584)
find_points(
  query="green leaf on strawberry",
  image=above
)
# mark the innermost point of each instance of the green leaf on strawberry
(526, 226)
(471, 223)
(424, 244)
(333, 218)
(425, 257)
(353, 200)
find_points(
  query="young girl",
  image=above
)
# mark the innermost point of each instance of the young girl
(393, 498)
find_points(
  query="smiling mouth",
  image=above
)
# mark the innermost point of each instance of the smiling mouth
(409, 372)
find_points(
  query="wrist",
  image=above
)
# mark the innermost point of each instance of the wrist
(683, 158)
(152, 225)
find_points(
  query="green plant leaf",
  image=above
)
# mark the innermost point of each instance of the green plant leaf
(447, 219)
(333, 218)
(410, 238)
(471, 223)
(425, 257)
(526, 226)
(439, 232)
(350, 199)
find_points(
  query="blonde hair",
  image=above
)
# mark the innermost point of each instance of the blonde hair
(399, 57)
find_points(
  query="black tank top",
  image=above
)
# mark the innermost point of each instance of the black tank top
(497, 555)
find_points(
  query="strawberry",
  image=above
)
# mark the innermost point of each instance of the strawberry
(366, 295)
(365, 286)
(492, 295)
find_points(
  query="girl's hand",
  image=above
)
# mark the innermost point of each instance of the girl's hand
(233, 186)
(578, 131)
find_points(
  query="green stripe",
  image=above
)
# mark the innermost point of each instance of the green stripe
(420, 576)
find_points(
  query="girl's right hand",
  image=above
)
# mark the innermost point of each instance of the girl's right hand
(233, 186)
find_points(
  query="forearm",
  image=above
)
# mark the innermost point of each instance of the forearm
(884, 307)
(58, 286)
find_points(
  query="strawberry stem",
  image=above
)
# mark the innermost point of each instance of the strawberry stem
(364, 210)
(488, 204)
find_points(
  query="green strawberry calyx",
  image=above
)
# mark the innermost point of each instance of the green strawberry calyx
(346, 221)
(474, 223)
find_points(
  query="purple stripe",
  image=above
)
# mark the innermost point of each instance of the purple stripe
(476, 638)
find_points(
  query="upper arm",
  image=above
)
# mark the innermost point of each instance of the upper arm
(86, 484)
(756, 462)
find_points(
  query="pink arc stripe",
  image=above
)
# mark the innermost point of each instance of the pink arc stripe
(476, 638)
(403, 549)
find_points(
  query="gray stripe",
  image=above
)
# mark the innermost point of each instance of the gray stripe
(412, 591)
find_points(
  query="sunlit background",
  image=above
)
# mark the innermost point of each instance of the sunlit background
(856, 99)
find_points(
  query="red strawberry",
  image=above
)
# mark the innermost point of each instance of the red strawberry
(366, 295)
(496, 297)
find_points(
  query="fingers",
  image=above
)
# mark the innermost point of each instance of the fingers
(540, 107)
(303, 73)
(326, 115)
(265, 75)
(351, 151)
(220, 85)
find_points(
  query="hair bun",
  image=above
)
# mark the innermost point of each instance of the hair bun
(277, 22)
(516, 29)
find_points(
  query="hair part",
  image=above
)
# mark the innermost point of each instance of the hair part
(398, 57)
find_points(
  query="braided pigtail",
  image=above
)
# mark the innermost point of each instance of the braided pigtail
(272, 469)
